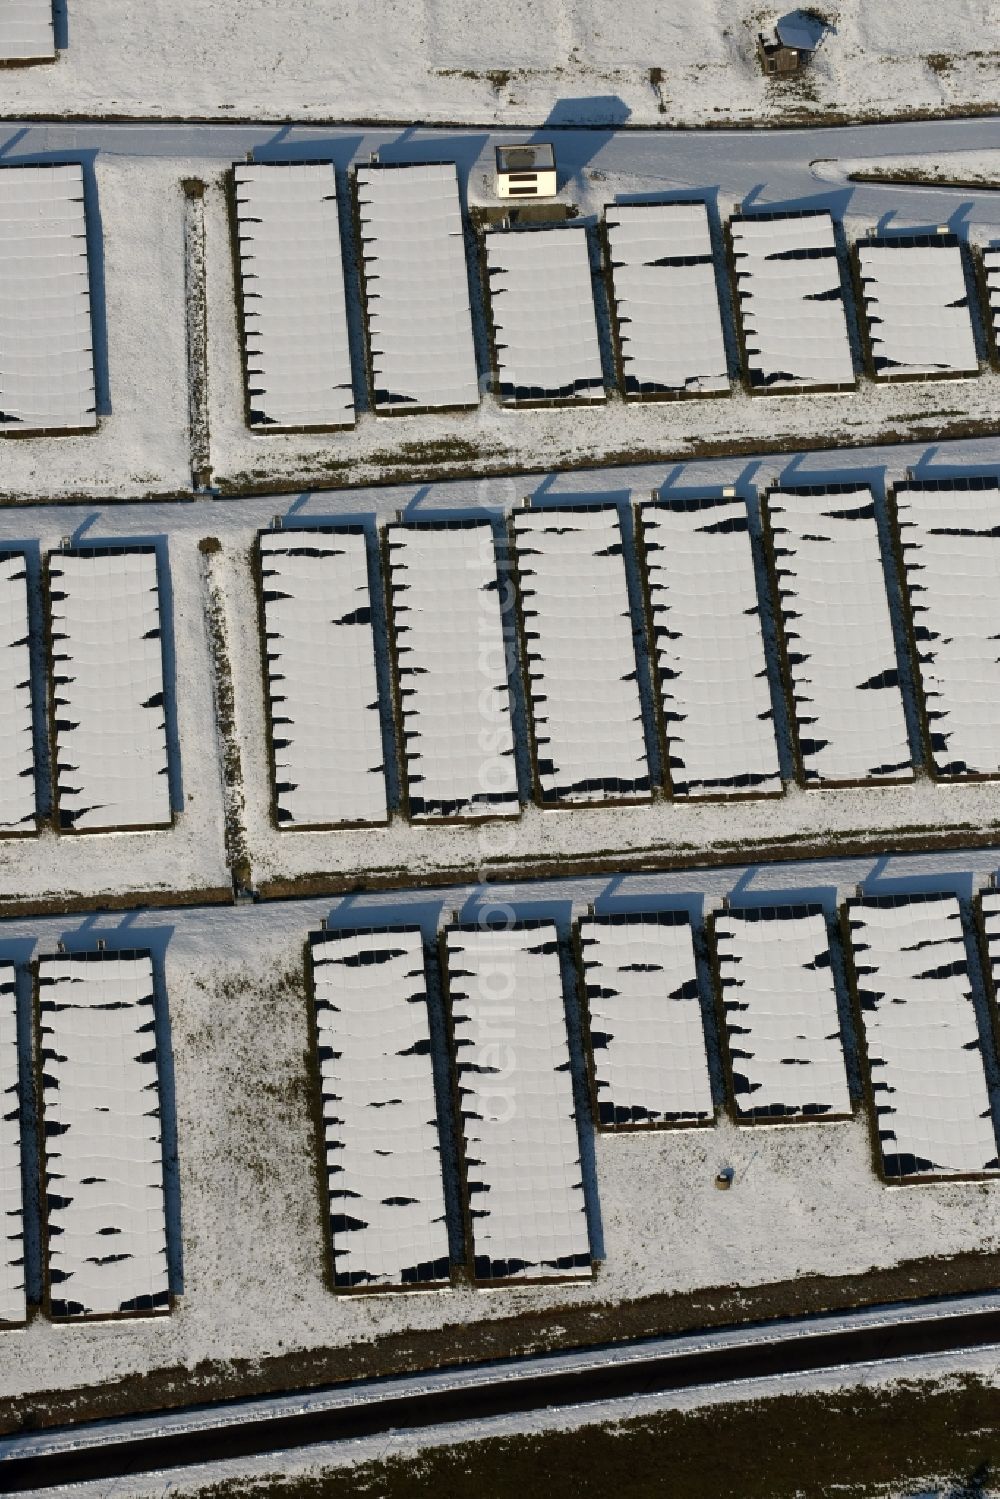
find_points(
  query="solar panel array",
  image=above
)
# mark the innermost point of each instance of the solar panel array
(524, 1176)
(108, 701)
(326, 731)
(46, 344)
(580, 655)
(665, 298)
(106, 1241)
(381, 1147)
(17, 751)
(416, 287)
(298, 359)
(714, 693)
(451, 670)
(780, 1022)
(13, 1307)
(840, 650)
(950, 545)
(647, 1038)
(991, 271)
(544, 324)
(26, 32)
(791, 302)
(917, 307)
(922, 1040)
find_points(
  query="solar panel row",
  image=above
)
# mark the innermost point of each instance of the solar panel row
(787, 275)
(102, 1182)
(382, 1107)
(106, 690)
(454, 652)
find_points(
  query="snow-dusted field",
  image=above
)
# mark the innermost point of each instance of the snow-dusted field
(451, 60)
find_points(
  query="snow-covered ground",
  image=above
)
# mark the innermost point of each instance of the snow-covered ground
(454, 60)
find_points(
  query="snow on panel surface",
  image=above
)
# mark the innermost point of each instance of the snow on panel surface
(46, 346)
(666, 299)
(646, 1031)
(991, 928)
(107, 1238)
(416, 287)
(451, 664)
(921, 1036)
(522, 1150)
(991, 265)
(292, 282)
(17, 750)
(716, 701)
(322, 689)
(917, 307)
(950, 542)
(544, 324)
(12, 1299)
(381, 1145)
(110, 728)
(841, 653)
(791, 302)
(581, 662)
(26, 33)
(779, 1001)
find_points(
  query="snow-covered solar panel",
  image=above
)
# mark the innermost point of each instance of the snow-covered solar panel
(581, 663)
(714, 692)
(26, 31)
(780, 1020)
(458, 743)
(326, 731)
(922, 1040)
(416, 287)
(17, 753)
(12, 1296)
(841, 655)
(107, 689)
(46, 343)
(991, 269)
(666, 299)
(990, 903)
(917, 307)
(544, 324)
(646, 1033)
(104, 1200)
(381, 1147)
(950, 541)
(524, 1175)
(298, 359)
(791, 301)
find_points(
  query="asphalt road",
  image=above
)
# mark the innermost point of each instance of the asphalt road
(661, 1372)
